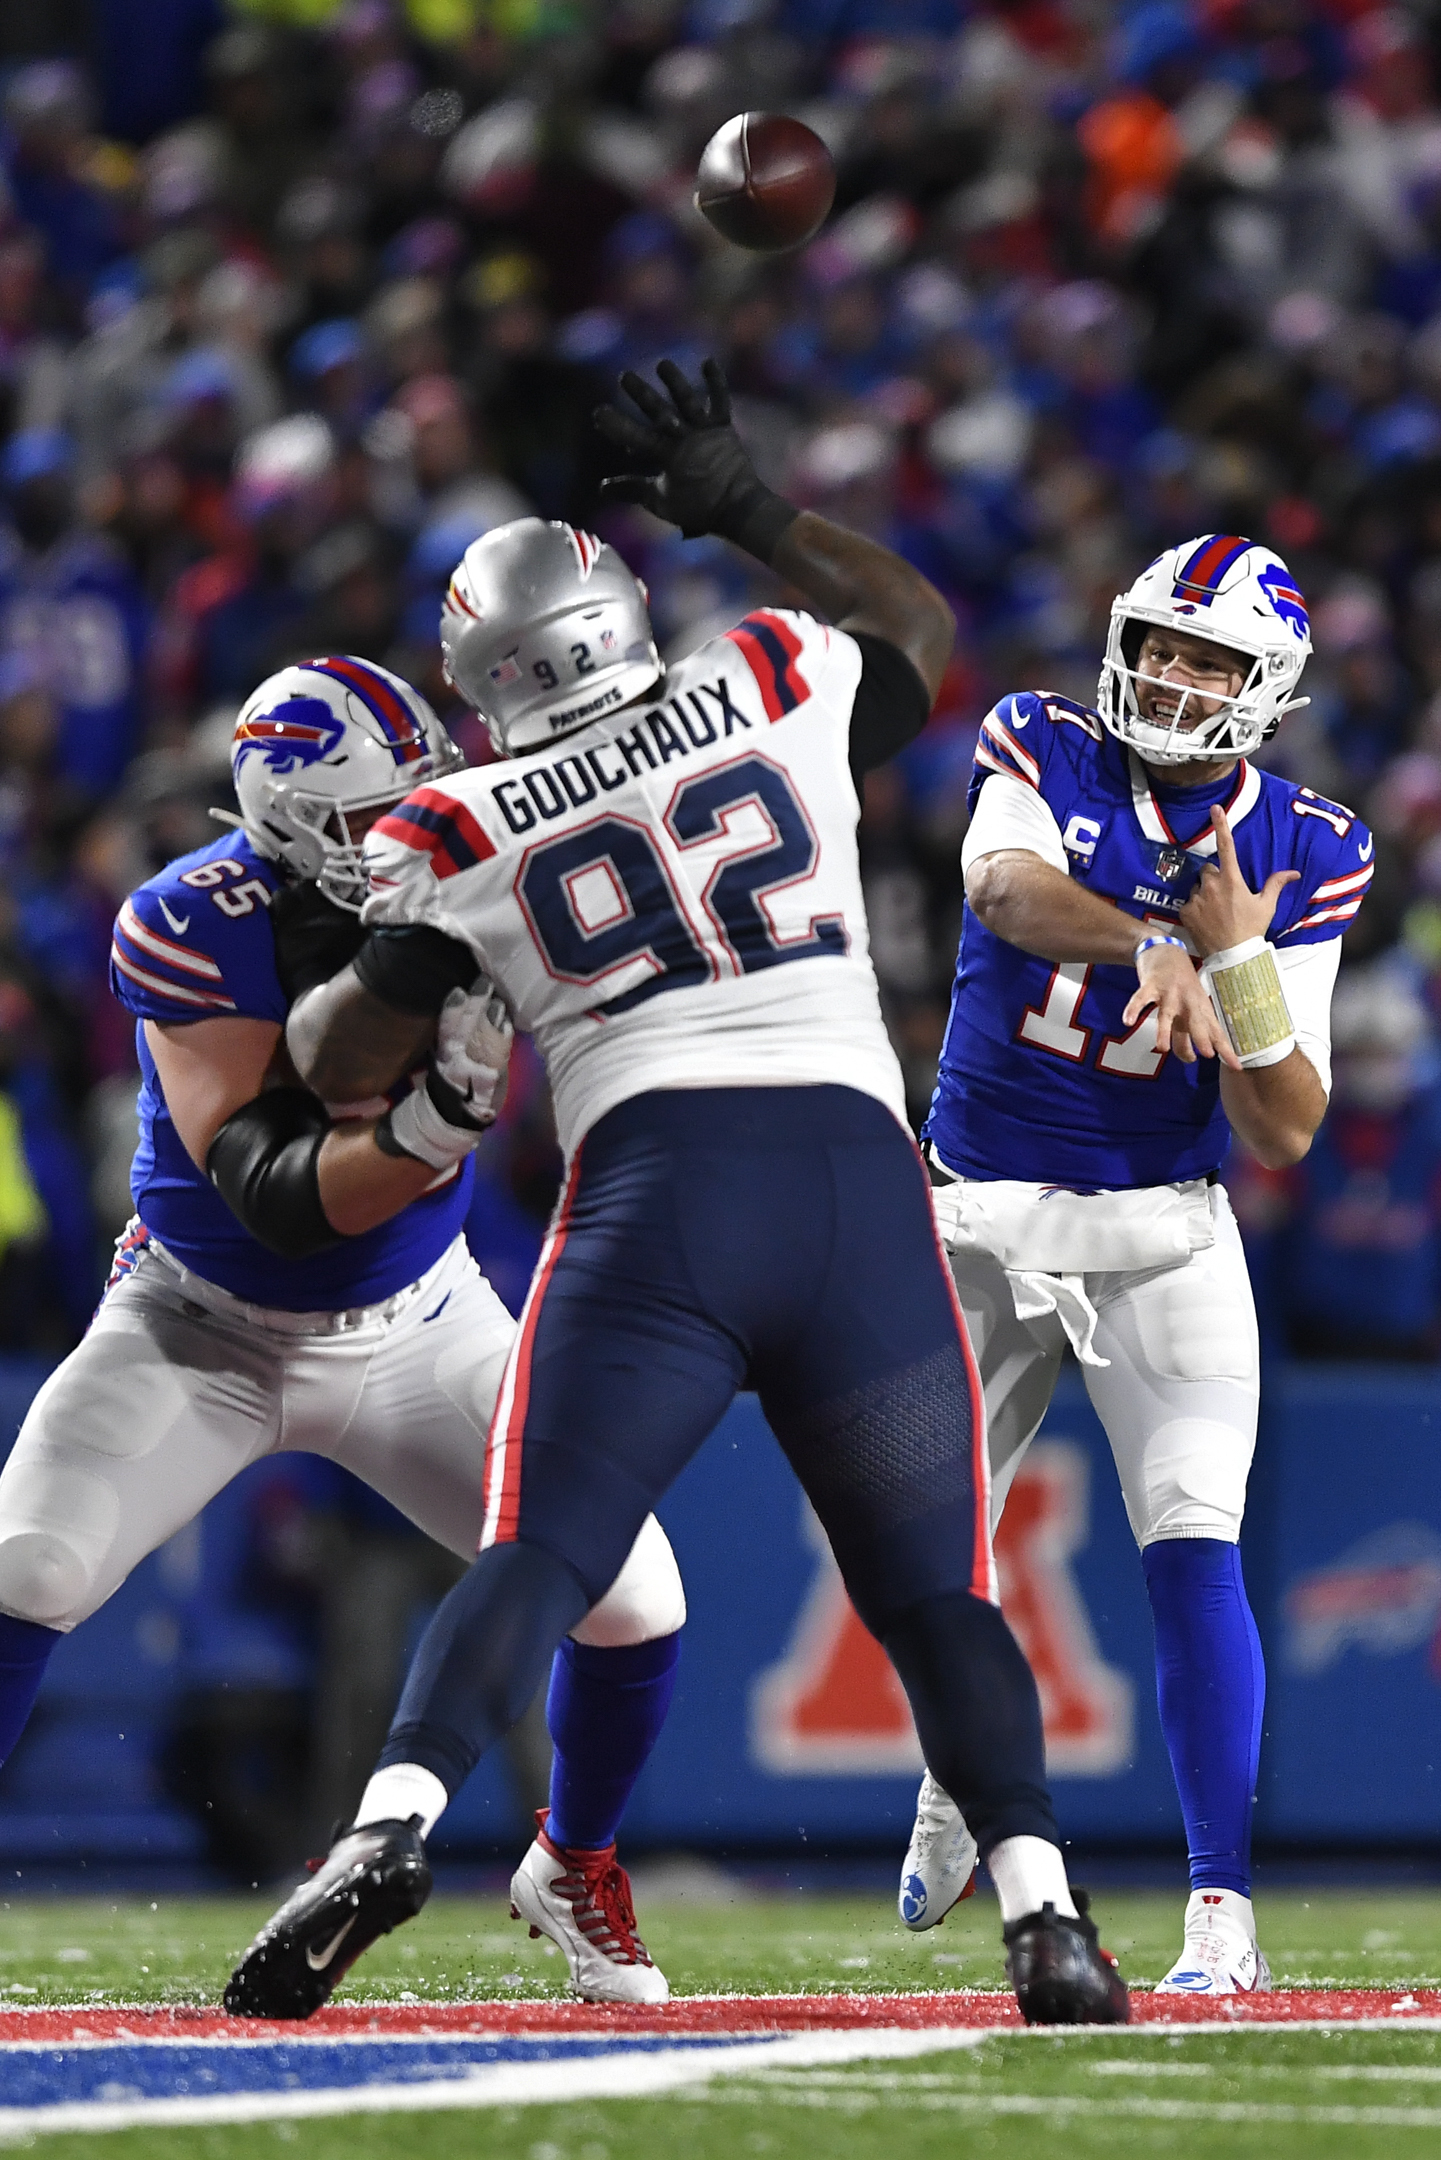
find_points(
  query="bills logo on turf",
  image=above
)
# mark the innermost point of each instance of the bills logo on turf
(1384, 1596)
(1275, 583)
(299, 731)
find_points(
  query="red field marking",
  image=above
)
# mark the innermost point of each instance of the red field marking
(696, 2014)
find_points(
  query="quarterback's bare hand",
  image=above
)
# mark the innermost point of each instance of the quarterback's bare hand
(1186, 1021)
(1223, 911)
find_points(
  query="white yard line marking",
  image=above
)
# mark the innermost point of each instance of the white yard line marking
(633, 2076)
(860, 2101)
(1385, 2073)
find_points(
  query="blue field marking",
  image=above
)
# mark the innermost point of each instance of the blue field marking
(39, 2075)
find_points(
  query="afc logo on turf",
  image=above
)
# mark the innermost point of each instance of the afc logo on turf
(299, 731)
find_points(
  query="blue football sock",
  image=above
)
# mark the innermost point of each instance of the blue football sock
(25, 1649)
(1211, 1690)
(605, 1710)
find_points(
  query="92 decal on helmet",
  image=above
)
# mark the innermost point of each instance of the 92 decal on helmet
(1235, 593)
(319, 742)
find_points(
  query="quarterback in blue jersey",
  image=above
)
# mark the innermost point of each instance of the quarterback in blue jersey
(296, 1276)
(1090, 1080)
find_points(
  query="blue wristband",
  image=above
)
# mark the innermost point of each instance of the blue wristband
(1161, 937)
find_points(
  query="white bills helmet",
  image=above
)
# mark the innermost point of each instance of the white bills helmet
(544, 629)
(323, 739)
(1235, 593)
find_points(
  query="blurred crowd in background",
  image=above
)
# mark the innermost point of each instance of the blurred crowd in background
(298, 298)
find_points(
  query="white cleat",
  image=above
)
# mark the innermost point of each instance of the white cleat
(940, 1863)
(1220, 1955)
(582, 1901)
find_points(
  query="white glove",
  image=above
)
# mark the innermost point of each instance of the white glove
(441, 1122)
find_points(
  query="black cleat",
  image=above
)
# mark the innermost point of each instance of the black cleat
(370, 1881)
(1059, 1971)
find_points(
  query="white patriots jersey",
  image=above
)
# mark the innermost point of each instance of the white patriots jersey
(670, 898)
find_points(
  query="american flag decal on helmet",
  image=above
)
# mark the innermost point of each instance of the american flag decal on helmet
(587, 549)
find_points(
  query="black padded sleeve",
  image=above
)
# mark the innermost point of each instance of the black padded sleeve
(413, 967)
(313, 937)
(263, 1163)
(892, 704)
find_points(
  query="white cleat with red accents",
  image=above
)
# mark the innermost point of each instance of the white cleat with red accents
(940, 1864)
(582, 1900)
(1220, 1955)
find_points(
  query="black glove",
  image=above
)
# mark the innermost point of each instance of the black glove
(314, 938)
(695, 470)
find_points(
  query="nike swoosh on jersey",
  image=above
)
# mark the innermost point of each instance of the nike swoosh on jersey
(317, 1960)
(440, 1308)
(178, 923)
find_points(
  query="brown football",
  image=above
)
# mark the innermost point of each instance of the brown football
(765, 181)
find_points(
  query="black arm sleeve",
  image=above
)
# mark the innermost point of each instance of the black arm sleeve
(263, 1163)
(313, 938)
(413, 967)
(892, 704)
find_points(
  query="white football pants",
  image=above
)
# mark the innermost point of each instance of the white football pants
(1178, 1399)
(178, 1386)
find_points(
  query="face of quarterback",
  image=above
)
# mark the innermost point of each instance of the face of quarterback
(1173, 662)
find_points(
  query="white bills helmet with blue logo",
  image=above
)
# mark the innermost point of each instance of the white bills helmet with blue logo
(320, 741)
(1233, 592)
(545, 629)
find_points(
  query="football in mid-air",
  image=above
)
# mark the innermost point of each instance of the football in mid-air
(765, 181)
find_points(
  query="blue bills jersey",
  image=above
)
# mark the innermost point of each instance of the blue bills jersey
(195, 943)
(1040, 1079)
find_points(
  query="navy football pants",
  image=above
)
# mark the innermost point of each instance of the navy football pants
(710, 1240)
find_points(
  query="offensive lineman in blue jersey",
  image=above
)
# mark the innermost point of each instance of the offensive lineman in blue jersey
(292, 1279)
(1089, 1083)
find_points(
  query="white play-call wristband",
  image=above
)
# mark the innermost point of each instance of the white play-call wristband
(1244, 985)
(418, 1127)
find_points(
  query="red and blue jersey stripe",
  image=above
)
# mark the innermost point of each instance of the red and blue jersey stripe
(398, 723)
(771, 649)
(438, 826)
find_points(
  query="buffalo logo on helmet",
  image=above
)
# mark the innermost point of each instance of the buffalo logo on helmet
(297, 732)
(1275, 582)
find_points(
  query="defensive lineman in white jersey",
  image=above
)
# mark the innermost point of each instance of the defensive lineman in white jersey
(663, 881)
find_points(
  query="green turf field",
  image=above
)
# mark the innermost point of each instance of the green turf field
(1287, 2096)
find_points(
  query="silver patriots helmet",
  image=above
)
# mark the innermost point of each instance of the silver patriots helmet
(544, 629)
(319, 742)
